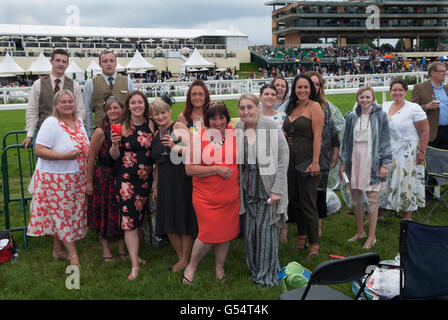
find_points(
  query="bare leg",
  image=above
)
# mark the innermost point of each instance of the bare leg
(200, 249)
(372, 201)
(407, 215)
(176, 242)
(122, 248)
(132, 243)
(106, 250)
(221, 251)
(358, 212)
(72, 253)
(187, 246)
(58, 250)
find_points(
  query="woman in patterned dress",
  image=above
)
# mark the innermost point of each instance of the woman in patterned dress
(59, 203)
(264, 158)
(134, 176)
(409, 134)
(102, 211)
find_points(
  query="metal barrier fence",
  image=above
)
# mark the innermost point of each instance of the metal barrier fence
(18, 181)
(237, 87)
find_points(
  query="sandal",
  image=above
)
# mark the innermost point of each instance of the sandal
(134, 273)
(314, 251)
(123, 256)
(74, 263)
(186, 281)
(108, 259)
(301, 242)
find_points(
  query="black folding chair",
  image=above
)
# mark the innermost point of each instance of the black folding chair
(335, 272)
(436, 175)
(423, 261)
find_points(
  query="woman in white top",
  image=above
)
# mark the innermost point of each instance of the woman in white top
(268, 96)
(409, 134)
(59, 204)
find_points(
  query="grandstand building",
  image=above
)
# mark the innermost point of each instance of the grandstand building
(166, 49)
(296, 22)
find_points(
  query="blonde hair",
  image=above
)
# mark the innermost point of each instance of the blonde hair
(249, 96)
(57, 98)
(159, 105)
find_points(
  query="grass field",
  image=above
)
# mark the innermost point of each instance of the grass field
(36, 276)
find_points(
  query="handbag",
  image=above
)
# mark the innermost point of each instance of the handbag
(301, 167)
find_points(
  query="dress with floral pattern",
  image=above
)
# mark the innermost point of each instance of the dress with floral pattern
(405, 190)
(134, 176)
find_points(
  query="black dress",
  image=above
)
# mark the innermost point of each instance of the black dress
(134, 176)
(174, 207)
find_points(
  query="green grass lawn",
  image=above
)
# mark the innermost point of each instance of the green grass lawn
(37, 276)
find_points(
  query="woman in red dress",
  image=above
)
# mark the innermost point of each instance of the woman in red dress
(216, 195)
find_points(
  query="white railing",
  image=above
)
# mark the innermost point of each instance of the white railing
(229, 88)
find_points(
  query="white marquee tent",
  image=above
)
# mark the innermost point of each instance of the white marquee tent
(8, 67)
(74, 71)
(197, 61)
(40, 66)
(138, 62)
(93, 67)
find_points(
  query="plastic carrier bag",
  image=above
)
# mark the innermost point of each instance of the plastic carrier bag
(333, 202)
(383, 284)
(293, 276)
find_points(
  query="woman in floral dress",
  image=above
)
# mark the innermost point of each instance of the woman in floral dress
(59, 204)
(102, 214)
(409, 134)
(134, 175)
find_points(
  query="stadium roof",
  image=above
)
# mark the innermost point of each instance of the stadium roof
(74, 31)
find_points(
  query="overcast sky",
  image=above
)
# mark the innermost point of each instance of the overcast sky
(251, 17)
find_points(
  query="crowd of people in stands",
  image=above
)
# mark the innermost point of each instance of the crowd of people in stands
(213, 180)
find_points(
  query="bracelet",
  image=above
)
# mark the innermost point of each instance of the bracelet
(424, 152)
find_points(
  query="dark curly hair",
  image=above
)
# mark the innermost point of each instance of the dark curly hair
(293, 98)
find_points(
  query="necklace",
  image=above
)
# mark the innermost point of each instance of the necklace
(217, 143)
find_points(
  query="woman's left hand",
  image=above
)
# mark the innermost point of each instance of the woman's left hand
(383, 172)
(313, 169)
(274, 198)
(420, 158)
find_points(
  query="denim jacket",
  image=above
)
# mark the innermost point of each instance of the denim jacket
(379, 144)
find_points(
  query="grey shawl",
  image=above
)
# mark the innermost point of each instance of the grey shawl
(272, 154)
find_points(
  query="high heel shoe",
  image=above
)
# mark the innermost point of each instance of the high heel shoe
(372, 244)
(134, 273)
(301, 242)
(356, 237)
